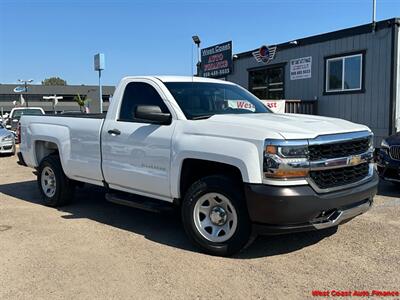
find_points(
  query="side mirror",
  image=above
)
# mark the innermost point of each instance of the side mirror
(152, 114)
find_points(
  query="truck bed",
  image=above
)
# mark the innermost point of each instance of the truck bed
(78, 115)
(76, 136)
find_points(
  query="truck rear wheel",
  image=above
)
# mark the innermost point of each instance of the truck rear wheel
(215, 216)
(55, 187)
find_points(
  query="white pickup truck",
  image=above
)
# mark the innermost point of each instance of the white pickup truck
(212, 149)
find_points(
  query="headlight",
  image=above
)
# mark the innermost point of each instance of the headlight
(286, 159)
(384, 144)
(7, 138)
(293, 151)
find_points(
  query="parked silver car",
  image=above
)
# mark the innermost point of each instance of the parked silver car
(7, 141)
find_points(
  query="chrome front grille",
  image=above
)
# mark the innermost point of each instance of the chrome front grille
(331, 178)
(340, 161)
(394, 152)
(339, 149)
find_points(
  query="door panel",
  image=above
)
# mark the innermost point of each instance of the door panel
(137, 155)
(138, 159)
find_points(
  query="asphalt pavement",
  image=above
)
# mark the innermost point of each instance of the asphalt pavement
(93, 249)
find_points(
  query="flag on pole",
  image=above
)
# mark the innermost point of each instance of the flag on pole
(21, 99)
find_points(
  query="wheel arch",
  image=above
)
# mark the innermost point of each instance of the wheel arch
(193, 169)
(44, 148)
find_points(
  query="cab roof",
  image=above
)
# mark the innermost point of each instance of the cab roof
(169, 78)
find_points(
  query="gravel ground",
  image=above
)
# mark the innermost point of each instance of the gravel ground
(95, 249)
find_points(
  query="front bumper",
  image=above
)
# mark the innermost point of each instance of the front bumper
(6, 147)
(278, 209)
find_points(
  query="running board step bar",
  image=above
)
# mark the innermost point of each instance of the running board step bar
(140, 202)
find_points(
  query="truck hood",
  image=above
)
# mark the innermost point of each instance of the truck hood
(290, 126)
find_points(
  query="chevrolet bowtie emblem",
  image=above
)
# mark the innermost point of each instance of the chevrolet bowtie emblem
(354, 160)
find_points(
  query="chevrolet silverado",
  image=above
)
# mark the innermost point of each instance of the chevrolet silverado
(212, 149)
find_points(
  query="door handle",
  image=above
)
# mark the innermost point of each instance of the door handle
(114, 132)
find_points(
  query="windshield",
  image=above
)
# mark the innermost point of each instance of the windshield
(199, 100)
(28, 112)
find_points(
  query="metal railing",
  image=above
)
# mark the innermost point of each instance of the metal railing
(308, 107)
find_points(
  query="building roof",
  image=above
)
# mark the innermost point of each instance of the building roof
(362, 29)
(56, 89)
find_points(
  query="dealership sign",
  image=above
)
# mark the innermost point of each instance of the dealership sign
(216, 61)
(19, 89)
(276, 106)
(300, 68)
(265, 54)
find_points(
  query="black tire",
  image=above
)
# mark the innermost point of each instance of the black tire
(64, 189)
(230, 189)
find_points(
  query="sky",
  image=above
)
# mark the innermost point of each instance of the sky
(44, 38)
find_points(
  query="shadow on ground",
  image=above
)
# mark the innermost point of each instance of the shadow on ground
(6, 154)
(389, 189)
(162, 228)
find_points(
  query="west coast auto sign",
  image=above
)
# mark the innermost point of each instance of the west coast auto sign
(216, 61)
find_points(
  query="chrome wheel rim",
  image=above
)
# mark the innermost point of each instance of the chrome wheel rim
(48, 181)
(215, 217)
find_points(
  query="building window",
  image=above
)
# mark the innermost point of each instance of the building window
(344, 73)
(267, 83)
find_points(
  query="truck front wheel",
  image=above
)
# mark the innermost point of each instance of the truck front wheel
(215, 216)
(55, 187)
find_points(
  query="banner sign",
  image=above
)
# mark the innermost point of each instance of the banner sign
(300, 68)
(276, 106)
(265, 54)
(241, 104)
(216, 61)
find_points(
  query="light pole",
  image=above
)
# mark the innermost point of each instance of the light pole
(373, 15)
(100, 93)
(197, 41)
(25, 82)
(99, 65)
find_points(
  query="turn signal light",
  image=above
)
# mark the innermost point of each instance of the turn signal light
(288, 173)
(270, 149)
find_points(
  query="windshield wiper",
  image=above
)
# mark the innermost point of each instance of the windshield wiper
(201, 117)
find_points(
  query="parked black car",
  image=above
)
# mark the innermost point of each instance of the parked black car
(388, 158)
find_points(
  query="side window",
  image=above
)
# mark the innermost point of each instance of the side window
(139, 93)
